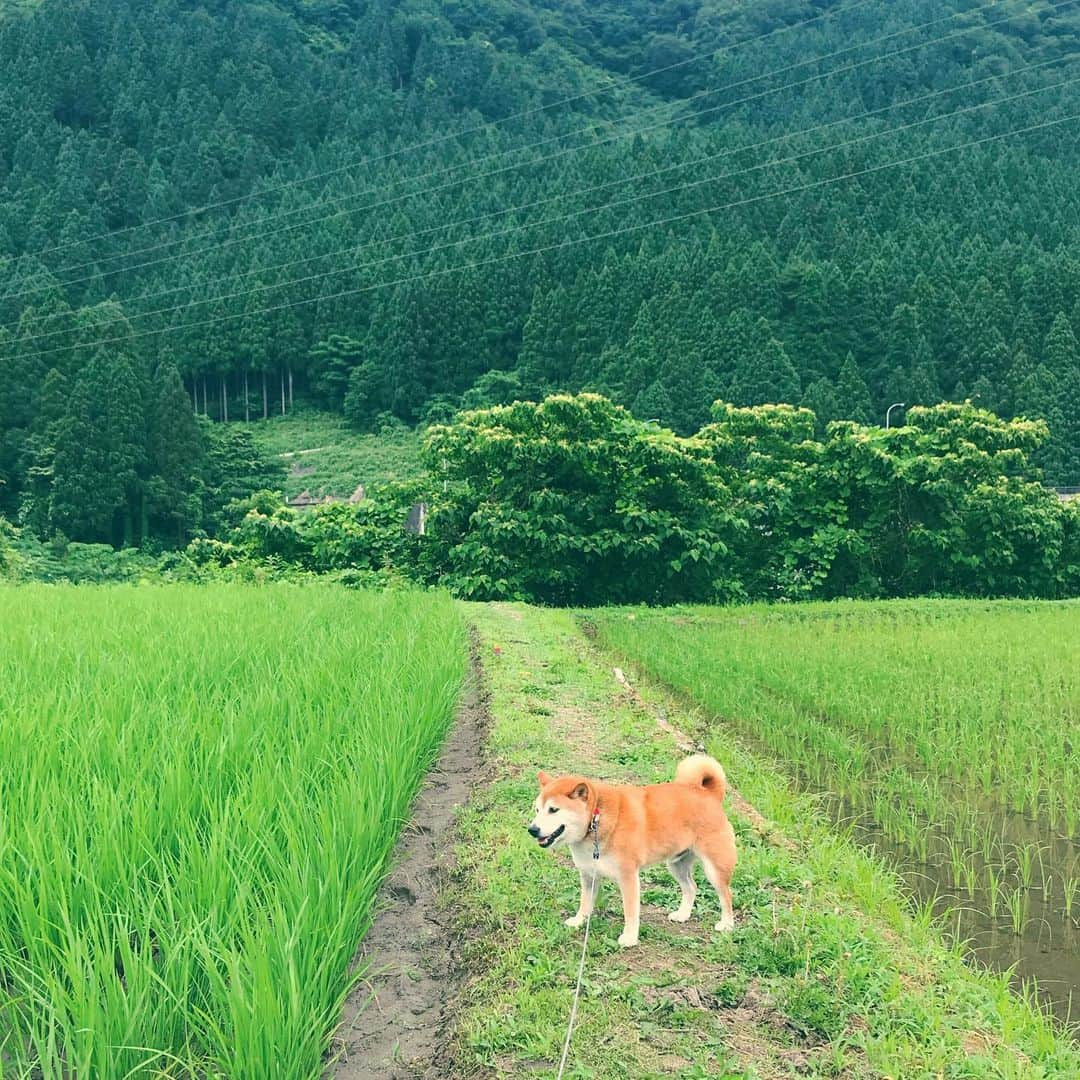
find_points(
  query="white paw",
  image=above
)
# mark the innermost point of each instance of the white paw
(679, 916)
(574, 921)
(725, 925)
(627, 940)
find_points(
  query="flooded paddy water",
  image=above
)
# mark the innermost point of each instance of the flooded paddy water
(1017, 909)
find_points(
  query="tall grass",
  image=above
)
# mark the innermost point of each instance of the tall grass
(198, 793)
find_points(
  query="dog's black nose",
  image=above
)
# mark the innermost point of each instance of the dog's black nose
(533, 831)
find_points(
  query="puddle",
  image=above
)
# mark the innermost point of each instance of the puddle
(1046, 950)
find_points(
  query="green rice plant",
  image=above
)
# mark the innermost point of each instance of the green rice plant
(970, 875)
(943, 720)
(201, 788)
(974, 693)
(957, 860)
(1016, 904)
(994, 890)
(1071, 888)
(1026, 857)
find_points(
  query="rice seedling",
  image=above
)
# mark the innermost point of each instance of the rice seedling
(1071, 889)
(1016, 904)
(200, 791)
(1025, 857)
(995, 885)
(957, 858)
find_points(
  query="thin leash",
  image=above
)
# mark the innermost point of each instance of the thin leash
(594, 828)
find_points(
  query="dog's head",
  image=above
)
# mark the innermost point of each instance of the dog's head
(562, 810)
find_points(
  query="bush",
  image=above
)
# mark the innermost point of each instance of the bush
(9, 559)
(368, 536)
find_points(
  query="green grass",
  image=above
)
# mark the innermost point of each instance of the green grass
(985, 695)
(199, 789)
(828, 973)
(958, 715)
(326, 456)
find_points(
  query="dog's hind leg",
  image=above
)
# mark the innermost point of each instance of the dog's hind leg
(590, 886)
(682, 870)
(719, 874)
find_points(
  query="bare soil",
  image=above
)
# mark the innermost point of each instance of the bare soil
(395, 1024)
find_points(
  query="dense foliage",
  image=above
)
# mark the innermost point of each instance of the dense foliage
(574, 501)
(954, 275)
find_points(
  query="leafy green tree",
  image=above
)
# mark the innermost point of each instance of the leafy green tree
(332, 361)
(493, 388)
(574, 501)
(235, 467)
(949, 503)
(771, 462)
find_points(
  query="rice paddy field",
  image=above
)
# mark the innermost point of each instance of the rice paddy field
(199, 790)
(944, 733)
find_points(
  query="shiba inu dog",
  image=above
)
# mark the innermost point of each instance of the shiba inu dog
(614, 830)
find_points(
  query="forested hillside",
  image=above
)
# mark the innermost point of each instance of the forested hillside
(396, 208)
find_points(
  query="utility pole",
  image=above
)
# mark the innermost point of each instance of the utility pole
(888, 412)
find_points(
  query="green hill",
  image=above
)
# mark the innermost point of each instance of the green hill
(396, 208)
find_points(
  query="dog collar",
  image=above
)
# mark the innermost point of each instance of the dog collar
(594, 828)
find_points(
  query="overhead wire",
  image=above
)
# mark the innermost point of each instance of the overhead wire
(525, 226)
(557, 247)
(428, 143)
(218, 245)
(676, 166)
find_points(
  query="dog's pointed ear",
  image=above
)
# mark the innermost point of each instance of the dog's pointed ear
(580, 792)
(543, 779)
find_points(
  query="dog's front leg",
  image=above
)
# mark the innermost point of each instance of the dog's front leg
(631, 905)
(590, 886)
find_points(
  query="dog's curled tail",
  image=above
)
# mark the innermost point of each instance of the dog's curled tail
(702, 771)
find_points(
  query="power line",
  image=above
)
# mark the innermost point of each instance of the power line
(217, 246)
(354, 249)
(610, 234)
(536, 110)
(564, 217)
(496, 155)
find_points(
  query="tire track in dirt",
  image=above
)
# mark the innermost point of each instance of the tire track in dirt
(396, 1023)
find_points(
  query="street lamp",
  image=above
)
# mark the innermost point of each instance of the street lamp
(888, 412)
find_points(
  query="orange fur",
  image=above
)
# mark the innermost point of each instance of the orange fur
(679, 823)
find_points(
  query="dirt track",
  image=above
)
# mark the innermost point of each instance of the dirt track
(394, 1024)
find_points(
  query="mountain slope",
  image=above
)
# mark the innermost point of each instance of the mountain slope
(397, 206)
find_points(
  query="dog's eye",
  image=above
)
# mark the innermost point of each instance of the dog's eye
(553, 809)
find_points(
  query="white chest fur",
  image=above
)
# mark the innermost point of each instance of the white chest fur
(582, 855)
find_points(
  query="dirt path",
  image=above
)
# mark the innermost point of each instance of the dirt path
(394, 1024)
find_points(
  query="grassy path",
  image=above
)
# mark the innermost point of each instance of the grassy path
(826, 974)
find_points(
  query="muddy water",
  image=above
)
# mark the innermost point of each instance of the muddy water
(1045, 953)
